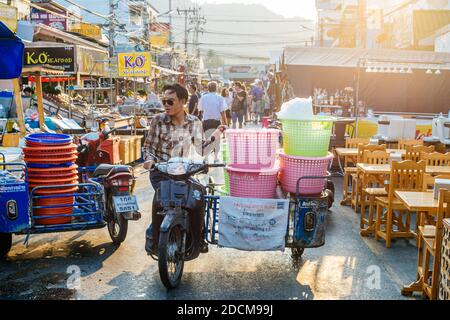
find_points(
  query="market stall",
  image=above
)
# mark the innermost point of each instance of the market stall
(386, 80)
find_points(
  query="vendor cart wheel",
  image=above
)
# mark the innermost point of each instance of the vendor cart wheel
(330, 190)
(5, 244)
(170, 257)
(117, 225)
(297, 252)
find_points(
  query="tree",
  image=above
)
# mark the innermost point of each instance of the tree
(213, 60)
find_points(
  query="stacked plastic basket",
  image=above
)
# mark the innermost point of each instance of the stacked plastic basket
(306, 145)
(50, 159)
(252, 169)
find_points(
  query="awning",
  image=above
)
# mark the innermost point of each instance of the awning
(351, 58)
(42, 29)
(41, 70)
(168, 71)
(53, 79)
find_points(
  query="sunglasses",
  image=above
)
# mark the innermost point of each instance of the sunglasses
(166, 101)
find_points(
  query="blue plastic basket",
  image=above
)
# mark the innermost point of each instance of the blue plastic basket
(49, 138)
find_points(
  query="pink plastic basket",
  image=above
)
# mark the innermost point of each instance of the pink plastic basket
(253, 149)
(293, 168)
(259, 184)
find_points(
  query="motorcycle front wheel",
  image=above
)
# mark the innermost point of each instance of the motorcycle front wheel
(170, 257)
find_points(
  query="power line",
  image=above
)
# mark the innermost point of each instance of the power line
(259, 21)
(250, 43)
(88, 10)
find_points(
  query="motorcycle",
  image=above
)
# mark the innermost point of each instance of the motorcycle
(92, 149)
(118, 181)
(180, 197)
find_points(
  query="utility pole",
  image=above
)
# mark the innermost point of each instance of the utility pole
(198, 21)
(186, 13)
(321, 32)
(112, 28)
(362, 24)
(170, 24)
(146, 25)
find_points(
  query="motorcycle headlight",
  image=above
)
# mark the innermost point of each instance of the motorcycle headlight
(176, 169)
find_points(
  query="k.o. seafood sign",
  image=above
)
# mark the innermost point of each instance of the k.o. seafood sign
(134, 64)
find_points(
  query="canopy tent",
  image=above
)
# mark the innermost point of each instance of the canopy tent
(405, 81)
(11, 53)
(11, 61)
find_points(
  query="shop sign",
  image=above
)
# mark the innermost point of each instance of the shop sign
(165, 60)
(8, 15)
(92, 61)
(87, 29)
(159, 34)
(134, 64)
(51, 20)
(159, 40)
(52, 56)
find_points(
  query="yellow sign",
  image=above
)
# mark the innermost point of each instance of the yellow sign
(8, 15)
(160, 40)
(134, 64)
(87, 29)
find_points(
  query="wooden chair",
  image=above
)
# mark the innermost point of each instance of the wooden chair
(404, 144)
(350, 162)
(429, 246)
(414, 153)
(432, 249)
(356, 193)
(405, 176)
(372, 189)
(436, 159)
(428, 180)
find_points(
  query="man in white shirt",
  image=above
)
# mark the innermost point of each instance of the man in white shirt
(213, 106)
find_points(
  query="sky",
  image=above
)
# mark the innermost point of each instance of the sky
(287, 8)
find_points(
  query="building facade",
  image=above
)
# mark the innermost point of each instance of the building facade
(399, 24)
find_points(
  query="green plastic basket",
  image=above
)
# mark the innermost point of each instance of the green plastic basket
(227, 181)
(307, 138)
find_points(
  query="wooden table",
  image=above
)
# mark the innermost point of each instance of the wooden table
(421, 202)
(418, 201)
(386, 169)
(353, 152)
(365, 171)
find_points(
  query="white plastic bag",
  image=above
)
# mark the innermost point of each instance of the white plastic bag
(297, 109)
(253, 224)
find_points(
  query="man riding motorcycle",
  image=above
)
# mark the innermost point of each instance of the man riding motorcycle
(172, 134)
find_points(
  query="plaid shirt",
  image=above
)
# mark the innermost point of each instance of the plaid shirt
(165, 140)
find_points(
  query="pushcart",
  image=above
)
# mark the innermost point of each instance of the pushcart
(306, 222)
(28, 211)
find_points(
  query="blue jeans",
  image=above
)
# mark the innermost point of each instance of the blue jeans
(237, 117)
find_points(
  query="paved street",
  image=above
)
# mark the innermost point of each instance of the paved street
(342, 269)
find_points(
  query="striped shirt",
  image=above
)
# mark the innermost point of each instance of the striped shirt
(166, 140)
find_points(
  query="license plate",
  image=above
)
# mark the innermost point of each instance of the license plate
(125, 204)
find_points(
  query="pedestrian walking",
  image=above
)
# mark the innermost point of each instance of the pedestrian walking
(193, 100)
(213, 108)
(228, 100)
(239, 105)
(257, 95)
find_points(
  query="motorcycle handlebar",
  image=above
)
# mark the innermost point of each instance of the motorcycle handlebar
(218, 165)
